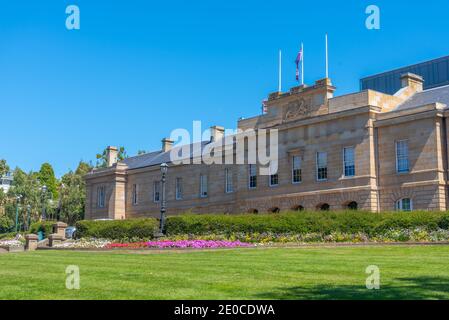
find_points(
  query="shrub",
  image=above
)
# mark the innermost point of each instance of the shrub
(117, 229)
(325, 223)
(6, 224)
(45, 226)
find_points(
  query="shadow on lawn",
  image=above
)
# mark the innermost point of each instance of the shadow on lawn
(408, 288)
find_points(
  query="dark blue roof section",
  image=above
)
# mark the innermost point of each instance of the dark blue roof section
(434, 72)
(155, 158)
(440, 94)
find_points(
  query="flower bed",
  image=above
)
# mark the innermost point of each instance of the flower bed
(197, 244)
(84, 244)
(10, 243)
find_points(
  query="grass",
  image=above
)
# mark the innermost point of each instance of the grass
(407, 272)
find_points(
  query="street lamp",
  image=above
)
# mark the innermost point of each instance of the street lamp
(17, 210)
(164, 169)
(44, 196)
(28, 217)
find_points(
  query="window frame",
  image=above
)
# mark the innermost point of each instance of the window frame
(101, 196)
(250, 166)
(270, 180)
(317, 167)
(156, 191)
(353, 162)
(299, 169)
(134, 194)
(396, 144)
(229, 183)
(204, 192)
(178, 188)
(399, 205)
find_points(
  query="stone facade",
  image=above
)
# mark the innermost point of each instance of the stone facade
(309, 120)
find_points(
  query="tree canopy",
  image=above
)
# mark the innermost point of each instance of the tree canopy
(47, 177)
(102, 158)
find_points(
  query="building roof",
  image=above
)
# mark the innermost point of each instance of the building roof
(156, 157)
(439, 94)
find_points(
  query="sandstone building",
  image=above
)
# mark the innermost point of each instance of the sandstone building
(366, 150)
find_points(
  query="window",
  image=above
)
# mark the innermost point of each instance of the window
(156, 191)
(274, 180)
(203, 186)
(348, 162)
(228, 181)
(134, 194)
(404, 204)
(178, 188)
(252, 176)
(402, 156)
(321, 166)
(101, 196)
(296, 169)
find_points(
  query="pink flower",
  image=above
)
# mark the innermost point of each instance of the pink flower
(197, 244)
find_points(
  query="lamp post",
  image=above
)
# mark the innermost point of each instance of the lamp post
(164, 169)
(17, 211)
(28, 217)
(44, 196)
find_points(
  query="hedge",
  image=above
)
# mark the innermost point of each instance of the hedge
(300, 223)
(307, 222)
(117, 229)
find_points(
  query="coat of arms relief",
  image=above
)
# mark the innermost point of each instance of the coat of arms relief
(297, 109)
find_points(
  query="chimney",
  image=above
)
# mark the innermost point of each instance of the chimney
(413, 81)
(216, 133)
(111, 155)
(167, 144)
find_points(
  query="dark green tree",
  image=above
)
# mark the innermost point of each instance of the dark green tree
(47, 177)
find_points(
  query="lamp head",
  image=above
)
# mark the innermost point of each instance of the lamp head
(164, 168)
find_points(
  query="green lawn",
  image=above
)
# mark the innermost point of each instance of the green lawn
(407, 272)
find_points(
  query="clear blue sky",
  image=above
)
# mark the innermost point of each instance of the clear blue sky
(138, 69)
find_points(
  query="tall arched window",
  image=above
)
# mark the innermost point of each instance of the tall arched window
(404, 204)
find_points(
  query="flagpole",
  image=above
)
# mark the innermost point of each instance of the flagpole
(280, 71)
(302, 64)
(327, 59)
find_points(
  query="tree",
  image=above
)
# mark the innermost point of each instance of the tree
(139, 152)
(73, 194)
(26, 191)
(102, 158)
(47, 178)
(4, 168)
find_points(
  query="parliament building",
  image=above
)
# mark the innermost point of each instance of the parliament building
(367, 150)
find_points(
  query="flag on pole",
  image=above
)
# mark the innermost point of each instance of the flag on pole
(264, 106)
(299, 58)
